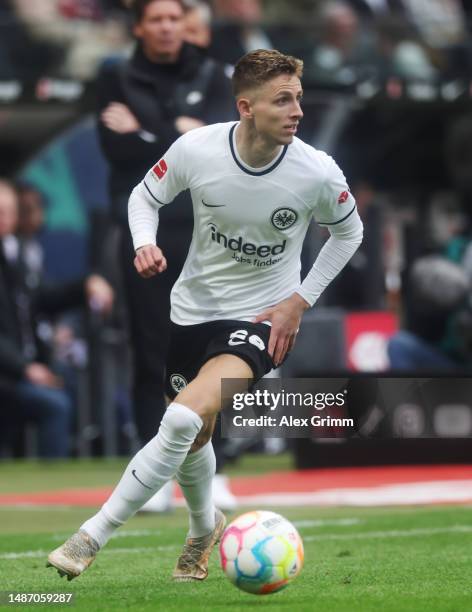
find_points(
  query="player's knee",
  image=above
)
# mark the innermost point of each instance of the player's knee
(180, 421)
(174, 423)
(195, 402)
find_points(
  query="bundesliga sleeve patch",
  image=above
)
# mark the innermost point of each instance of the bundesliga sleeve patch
(160, 169)
(343, 197)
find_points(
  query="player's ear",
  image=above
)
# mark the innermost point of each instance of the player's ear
(245, 108)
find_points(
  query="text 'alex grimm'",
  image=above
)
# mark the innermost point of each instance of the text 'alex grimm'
(270, 401)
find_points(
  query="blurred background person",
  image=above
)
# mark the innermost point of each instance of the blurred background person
(65, 335)
(402, 52)
(436, 31)
(30, 390)
(442, 25)
(374, 9)
(238, 29)
(436, 331)
(342, 51)
(198, 21)
(21, 53)
(165, 89)
(80, 32)
(30, 223)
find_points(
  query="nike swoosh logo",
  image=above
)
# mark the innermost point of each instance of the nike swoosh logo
(212, 205)
(134, 474)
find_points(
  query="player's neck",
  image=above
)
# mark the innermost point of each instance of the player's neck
(255, 150)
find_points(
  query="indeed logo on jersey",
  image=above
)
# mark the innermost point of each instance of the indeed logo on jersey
(238, 245)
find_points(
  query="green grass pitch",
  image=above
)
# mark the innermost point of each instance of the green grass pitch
(376, 559)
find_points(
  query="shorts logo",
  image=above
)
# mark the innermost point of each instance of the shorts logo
(283, 218)
(160, 169)
(343, 197)
(178, 382)
(241, 337)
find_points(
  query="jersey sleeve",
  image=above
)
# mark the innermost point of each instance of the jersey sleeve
(334, 202)
(345, 238)
(167, 177)
(162, 183)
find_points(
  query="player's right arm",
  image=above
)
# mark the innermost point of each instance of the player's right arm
(162, 183)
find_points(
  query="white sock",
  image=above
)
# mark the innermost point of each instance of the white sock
(153, 466)
(195, 478)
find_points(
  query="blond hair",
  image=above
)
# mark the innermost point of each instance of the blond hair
(262, 65)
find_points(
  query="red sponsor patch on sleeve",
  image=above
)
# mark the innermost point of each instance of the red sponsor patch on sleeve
(160, 169)
(343, 197)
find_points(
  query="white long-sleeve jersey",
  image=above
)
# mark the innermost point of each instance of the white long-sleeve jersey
(249, 223)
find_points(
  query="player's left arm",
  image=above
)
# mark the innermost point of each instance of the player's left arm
(285, 318)
(346, 231)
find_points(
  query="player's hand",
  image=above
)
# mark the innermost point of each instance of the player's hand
(120, 119)
(39, 374)
(285, 318)
(149, 261)
(185, 124)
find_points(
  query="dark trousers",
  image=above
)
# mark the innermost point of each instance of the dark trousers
(148, 308)
(49, 409)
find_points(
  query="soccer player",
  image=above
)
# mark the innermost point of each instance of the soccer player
(237, 305)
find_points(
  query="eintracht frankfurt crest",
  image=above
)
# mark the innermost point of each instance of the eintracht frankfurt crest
(177, 382)
(283, 218)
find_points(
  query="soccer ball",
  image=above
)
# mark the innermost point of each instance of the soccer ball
(261, 552)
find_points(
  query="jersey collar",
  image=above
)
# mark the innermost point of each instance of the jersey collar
(248, 169)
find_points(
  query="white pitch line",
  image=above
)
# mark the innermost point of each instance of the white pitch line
(346, 522)
(132, 533)
(28, 554)
(398, 494)
(33, 554)
(398, 533)
(126, 533)
(36, 554)
(401, 494)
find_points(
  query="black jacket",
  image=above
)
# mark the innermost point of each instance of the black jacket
(195, 86)
(19, 308)
(365, 9)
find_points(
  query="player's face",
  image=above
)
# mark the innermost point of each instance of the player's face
(276, 108)
(161, 30)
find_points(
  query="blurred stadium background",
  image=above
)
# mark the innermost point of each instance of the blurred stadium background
(388, 93)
